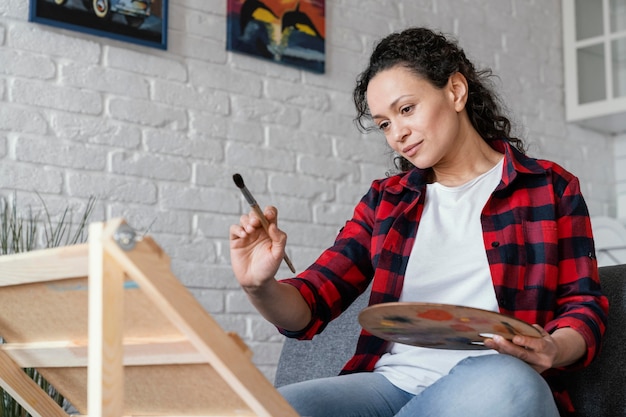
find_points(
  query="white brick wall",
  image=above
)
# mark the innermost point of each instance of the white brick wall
(157, 135)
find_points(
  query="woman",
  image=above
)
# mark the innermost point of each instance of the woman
(471, 221)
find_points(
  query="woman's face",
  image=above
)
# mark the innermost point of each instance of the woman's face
(420, 122)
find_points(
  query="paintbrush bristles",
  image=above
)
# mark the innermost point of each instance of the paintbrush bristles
(239, 183)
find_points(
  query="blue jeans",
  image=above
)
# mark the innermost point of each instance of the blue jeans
(484, 386)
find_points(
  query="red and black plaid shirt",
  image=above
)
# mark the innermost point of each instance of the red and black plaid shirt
(539, 244)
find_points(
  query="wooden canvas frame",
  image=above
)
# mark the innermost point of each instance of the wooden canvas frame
(147, 346)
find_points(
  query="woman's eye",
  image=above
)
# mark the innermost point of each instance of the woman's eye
(383, 125)
(406, 109)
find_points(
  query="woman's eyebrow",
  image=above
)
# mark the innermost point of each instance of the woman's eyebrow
(391, 105)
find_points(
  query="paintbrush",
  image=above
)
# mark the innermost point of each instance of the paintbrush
(264, 222)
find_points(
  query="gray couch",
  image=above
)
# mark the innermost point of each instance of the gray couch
(598, 391)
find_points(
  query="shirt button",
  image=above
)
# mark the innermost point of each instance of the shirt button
(495, 244)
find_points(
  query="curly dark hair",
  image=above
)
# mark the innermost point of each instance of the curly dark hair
(435, 58)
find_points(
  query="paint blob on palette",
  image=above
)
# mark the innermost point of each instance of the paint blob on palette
(440, 326)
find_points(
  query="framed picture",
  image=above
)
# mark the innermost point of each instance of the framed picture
(290, 32)
(138, 21)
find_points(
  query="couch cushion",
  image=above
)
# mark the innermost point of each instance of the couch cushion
(599, 390)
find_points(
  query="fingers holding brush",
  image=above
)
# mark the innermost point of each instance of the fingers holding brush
(259, 228)
(262, 219)
(256, 254)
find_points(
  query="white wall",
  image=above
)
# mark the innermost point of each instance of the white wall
(157, 135)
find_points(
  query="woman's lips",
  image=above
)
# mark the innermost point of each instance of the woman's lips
(411, 150)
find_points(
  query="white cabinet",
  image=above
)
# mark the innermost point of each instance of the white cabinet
(594, 43)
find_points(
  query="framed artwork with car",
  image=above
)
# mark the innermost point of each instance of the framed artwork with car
(138, 21)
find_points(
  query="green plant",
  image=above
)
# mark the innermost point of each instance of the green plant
(21, 234)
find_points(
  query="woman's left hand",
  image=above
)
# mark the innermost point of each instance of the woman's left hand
(563, 347)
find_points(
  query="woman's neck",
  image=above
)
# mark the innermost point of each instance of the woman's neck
(473, 157)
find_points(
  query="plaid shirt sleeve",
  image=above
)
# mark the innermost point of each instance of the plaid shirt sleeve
(579, 300)
(342, 272)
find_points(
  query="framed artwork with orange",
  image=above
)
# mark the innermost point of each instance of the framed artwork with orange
(289, 32)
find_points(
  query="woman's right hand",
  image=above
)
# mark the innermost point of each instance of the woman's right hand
(255, 254)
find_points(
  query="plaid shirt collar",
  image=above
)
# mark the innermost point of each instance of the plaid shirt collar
(516, 163)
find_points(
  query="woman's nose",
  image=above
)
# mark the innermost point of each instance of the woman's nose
(401, 132)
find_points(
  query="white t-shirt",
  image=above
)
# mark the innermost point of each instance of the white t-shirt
(448, 264)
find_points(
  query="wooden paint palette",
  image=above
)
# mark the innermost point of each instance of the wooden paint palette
(440, 326)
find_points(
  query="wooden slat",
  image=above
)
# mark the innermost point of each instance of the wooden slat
(68, 354)
(106, 298)
(44, 265)
(241, 344)
(149, 266)
(137, 352)
(25, 391)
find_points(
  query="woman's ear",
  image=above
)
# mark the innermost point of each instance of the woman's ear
(458, 88)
